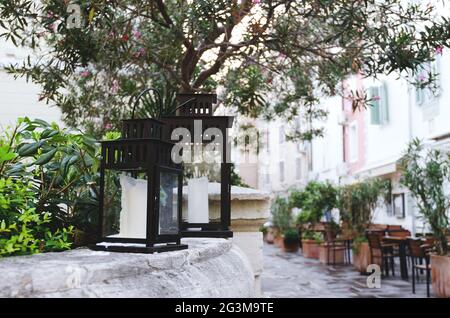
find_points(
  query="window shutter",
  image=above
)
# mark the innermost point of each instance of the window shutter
(375, 106)
(384, 104)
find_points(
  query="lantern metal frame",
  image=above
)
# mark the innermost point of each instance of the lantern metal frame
(200, 107)
(141, 150)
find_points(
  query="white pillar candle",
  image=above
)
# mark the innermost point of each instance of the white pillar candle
(198, 210)
(133, 217)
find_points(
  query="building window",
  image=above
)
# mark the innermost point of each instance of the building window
(353, 142)
(282, 134)
(379, 110)
(281, 171)
(399, 205)
(427, 95)
(298, 168)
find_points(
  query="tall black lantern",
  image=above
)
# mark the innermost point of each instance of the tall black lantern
(207, 190)
(140, 190)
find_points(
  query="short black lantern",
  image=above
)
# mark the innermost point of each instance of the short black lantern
(204, 145)
(140, 190)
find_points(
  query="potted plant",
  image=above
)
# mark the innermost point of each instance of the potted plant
(310, 244)
(291, 241)
(282, 219)
(426, 173)
(356, 204)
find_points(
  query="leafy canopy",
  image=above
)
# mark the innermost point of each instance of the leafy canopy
(271, 57)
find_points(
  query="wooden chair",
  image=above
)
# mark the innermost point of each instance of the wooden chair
(419, 252)
(382, 251)
(334, 245)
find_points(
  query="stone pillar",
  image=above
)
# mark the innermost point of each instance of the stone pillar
(249, 210)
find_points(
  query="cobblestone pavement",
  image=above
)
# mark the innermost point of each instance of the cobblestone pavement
(290, 275)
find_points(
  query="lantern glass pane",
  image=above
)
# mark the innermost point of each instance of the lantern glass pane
(125, 204)
(168, 203)
(202, 193)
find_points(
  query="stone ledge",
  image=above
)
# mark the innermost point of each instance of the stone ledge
(209, 268)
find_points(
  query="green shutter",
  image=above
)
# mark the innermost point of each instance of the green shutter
(384, 104)
(375, 106)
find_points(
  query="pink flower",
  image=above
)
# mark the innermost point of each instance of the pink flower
(108, 126)
(139, 53)
(50, 14)
(376, 98)
(52, 27)
(422, 78)
(85, 73)
(256, 1)
(115, 87)
(125, 37)
(439, 50)
(137, 34)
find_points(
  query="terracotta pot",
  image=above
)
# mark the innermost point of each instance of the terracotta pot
(310, 249)
(291, 247)
(279, 241)
(334, 257)
(362, 258)
(269, 237)
(440, 275)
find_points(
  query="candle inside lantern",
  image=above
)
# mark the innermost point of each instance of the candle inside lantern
(198, 210)
(133, 217)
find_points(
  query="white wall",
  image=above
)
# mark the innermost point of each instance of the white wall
(17, 97)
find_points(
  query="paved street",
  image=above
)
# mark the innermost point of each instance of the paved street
(292, 275)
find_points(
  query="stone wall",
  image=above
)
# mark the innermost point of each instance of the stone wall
(209, 268)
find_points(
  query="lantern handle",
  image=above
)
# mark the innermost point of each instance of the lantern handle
(184, 104)
(145, 91)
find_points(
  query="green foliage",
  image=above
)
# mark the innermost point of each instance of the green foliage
(263, 229)
(426, 173)
(313, 236)
(60, 170)
(357, 202)
(22, 229)
(236, 179)
(281, 214)
(291, 236)
(314, 201)
(297, 51)
(356, 243)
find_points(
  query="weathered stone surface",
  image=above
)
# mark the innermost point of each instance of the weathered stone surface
(209, 268)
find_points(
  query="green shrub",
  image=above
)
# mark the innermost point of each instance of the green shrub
(61, 167)
(358, 201)
(291, 236)
(48, 186)
(425, 174)
(281, 214)
(314, 200)
(22, 229)
(314, 236)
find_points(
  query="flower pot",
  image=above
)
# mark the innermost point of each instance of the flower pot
(290, 247)
(279, 241)
(440, 275)
(333, 256)
(310, 248)
(269, 237)
(362, 258)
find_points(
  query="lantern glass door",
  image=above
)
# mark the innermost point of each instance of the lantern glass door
(169, 202)
(125, 204)
(202, 184)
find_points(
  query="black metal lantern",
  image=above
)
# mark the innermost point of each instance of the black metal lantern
(140, 190)
(206, 203)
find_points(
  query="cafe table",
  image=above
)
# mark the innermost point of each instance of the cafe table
(401, 242)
